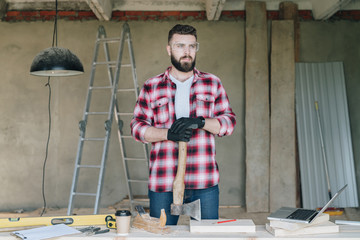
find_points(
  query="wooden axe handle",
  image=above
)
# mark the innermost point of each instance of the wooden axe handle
(178, 184)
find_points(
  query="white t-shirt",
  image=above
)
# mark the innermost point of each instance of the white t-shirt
(182, 96)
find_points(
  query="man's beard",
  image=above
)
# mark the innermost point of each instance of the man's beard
(183, 67)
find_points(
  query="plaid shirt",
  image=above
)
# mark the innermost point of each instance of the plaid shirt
(156, 107)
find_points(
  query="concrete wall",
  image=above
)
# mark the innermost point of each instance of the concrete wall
(24, 99)
(24, 112)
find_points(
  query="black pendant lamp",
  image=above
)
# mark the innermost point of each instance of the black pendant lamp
(56, 61)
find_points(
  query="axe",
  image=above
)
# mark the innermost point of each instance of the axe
(177, 207)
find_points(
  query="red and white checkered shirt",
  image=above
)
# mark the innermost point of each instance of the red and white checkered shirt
(156, 107)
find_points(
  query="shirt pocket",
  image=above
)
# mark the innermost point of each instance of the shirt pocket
(205, 104)
(161, 111)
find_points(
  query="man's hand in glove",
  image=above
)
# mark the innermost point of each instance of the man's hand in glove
(184, 123)
(183, 136)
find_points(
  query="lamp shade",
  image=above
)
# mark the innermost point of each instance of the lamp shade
(56, 61)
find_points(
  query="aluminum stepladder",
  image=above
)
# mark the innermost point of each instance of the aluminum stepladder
(113, 112)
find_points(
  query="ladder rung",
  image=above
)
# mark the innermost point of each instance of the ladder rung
(126, 136)
(137, 181)
(109, 39)
(135, 159)
(89, 166)
(84, 194)
(126, 89)
(103, 87)
(105, 63)
(93, 139)
(97, 113)
(125, 114)
(112, 63)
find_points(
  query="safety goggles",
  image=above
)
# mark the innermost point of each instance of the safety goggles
(181, 46)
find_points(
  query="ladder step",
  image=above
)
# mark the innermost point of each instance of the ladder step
(103, 87)
(109, 40)
(126, 90)
(97, 113)
(137, 181)
(93, 139)
(84, 194)
(135, 159)
(125, 114)
(127, 136)
(112, 63)
(89, 166)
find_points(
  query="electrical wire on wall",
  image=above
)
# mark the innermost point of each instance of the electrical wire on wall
(46, 149)
(54, 42)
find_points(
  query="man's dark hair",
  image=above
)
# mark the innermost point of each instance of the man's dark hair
(182, 29)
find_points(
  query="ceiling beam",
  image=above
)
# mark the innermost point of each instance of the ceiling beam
(214, 9)
(38, 5)
(101, 8)
(324, 9)
(159, 5)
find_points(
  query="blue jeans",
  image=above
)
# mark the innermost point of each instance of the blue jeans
(209, 200)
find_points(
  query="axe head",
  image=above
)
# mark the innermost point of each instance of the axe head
(191, 209)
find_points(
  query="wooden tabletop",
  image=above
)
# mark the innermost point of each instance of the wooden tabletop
(182, 232)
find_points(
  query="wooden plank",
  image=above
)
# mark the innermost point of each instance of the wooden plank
(322, 228)
(232, 226)
(289, 11)
(294, 226)
(214, 9)
(282, 147)
(102, 9)
(257, 122)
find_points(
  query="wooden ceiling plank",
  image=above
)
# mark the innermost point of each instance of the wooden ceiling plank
(324, 9)
(289, 11)
(159, 5)
(214, 9)
(38, 5)
(101, 8)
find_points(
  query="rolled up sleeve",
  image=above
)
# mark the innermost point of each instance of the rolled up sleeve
(224, 113)
(142, 118)
(227, 124)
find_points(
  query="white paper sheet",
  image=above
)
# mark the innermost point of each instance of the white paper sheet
(46, 232)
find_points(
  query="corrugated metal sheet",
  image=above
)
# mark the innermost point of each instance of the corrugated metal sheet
(324, 83)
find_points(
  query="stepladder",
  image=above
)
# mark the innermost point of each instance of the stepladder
(112, 93)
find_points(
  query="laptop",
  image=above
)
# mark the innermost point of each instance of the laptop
(300, 215)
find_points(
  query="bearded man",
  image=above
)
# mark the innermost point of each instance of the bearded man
(168, 105)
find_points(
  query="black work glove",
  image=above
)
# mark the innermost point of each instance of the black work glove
(183, 136)
(183, 123)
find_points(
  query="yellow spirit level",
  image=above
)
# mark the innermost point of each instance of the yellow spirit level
(78, 220)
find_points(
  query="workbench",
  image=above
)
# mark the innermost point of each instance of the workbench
(182, 232)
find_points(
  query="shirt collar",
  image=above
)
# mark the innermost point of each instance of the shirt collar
(167, 74)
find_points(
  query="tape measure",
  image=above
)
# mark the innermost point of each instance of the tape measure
(110, 222)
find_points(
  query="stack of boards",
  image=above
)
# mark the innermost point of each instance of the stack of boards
(238, 225)
(321, 225)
